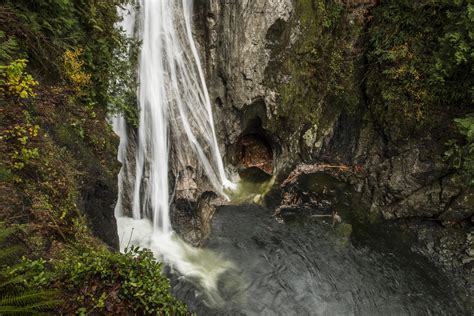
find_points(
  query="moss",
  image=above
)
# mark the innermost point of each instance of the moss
(309, 136)
(319, 66)
(344, 230)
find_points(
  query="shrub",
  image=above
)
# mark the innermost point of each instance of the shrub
(47, 31)
(15, 81)
(73, 69)
(20, 137)
(116, 282)
(94, 281)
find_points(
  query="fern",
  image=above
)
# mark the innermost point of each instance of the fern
(14, 310)
(9, 253)
(5, 232)
(17, 296)
(9, 280)
(31, 299)
(8, 47)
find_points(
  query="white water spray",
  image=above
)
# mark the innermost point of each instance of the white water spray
(175, 113)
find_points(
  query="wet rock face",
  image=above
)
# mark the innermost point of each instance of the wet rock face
(235, 45)
(261, 67)
(99, 194)
(411, 180)
(234, 50)
(193, 200)
(231, 36)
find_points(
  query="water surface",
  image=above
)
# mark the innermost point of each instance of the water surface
(309, 266)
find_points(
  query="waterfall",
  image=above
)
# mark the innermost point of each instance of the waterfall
(174, 107)
(174, 104)
(175, 118)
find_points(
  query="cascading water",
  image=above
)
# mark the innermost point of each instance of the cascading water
(174, 105)
(175, 116)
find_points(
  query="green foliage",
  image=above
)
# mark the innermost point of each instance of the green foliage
(123, 86)
(48, 31)
(421, 59)
(20, 137)
(91, 280)
(466, 127)
(21, 284)
(22, 157)
(15, 81)
(8, 47)
(461, 153)
(134, 277)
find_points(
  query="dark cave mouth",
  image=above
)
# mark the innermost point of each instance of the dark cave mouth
(254, 155)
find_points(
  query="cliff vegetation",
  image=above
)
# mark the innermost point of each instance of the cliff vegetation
(61, 64)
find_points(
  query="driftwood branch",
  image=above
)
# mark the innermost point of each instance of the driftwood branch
(307, 169)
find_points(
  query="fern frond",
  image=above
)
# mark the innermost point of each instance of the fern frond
(28, 299)
(15, 310)
(46, 304)
(29, 303)
(7, 280)
(6, 232)
(9, 252)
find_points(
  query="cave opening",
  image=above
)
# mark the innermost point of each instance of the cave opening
(254, 152)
